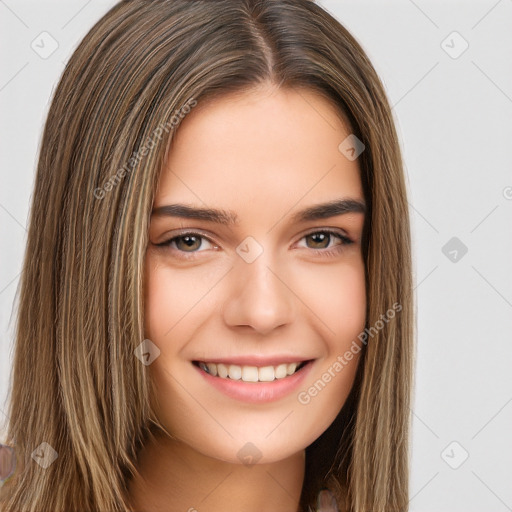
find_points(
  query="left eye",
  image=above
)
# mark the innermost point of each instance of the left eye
(321, 238)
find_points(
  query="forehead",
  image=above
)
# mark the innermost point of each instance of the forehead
(264, 146)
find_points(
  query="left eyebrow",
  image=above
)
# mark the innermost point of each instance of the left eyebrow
(330, 209)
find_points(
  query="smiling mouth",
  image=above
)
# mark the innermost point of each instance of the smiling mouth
(251, 373)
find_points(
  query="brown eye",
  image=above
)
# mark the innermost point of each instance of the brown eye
(190, 243)
(187, 243)
(320, 240)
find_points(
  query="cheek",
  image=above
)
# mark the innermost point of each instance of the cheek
(340, 303)
(337, 297)
(172, 297)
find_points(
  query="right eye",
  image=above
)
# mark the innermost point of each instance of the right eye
(187, 243)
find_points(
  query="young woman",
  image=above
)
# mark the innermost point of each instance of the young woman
(216, 308)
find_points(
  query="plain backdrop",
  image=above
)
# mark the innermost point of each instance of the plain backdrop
(447, 69)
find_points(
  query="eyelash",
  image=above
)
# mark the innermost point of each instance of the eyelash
(319, 252)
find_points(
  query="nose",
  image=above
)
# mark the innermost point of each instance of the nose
(258, 296)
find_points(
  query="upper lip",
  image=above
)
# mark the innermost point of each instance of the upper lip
(255, 360)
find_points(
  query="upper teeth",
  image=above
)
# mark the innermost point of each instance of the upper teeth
(249, 373)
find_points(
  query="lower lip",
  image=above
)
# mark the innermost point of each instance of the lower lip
(258, 392)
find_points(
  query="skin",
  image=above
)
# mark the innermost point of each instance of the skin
(265, 154)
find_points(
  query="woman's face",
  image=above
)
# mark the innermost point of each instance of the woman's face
(240, 280)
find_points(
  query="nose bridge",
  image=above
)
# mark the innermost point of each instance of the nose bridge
(257, 295)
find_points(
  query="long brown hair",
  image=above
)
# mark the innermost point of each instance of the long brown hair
(76, 383)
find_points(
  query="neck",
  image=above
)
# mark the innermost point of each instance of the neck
(175, 478)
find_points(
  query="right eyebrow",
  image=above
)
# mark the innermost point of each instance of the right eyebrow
(218, 216)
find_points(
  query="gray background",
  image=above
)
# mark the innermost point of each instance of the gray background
(453, 111)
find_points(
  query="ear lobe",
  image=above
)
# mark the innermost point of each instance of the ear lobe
(326, 502)
(7, 462)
